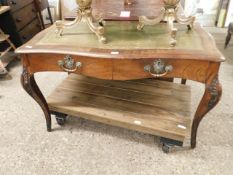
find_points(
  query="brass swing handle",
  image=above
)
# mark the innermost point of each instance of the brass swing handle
(158, 68)
(69, 65)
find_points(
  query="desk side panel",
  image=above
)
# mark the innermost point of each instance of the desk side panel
(98, 68)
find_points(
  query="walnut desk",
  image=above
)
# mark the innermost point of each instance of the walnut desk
(116, 81)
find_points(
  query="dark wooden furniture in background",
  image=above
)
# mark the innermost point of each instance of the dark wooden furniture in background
(5, 39)
(23, 23)
(8, 26)
(40, 6)
(5, 43)
(229, 34)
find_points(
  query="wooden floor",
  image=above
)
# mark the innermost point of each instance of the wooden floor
(150, 106)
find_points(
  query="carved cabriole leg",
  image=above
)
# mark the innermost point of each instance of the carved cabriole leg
(212, 95)
(29, 84)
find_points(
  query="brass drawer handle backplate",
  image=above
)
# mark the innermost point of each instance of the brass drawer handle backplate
(69, 64)
(158, 68)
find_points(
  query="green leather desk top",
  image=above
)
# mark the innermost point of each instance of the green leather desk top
(123, 37)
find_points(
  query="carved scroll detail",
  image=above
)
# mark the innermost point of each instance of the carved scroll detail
(210, 99)
(214, 93)
(25, 81)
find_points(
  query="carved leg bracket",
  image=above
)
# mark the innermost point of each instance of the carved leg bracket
(212, 95)
(29, 84)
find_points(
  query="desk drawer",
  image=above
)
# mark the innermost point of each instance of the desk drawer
(24, 16)
(93, 67)
(30, 30)
(17, 4)
(138, 68)
(120, 69)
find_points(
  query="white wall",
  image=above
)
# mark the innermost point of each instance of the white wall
(209, 6)
(191, 7)
(67, 6)
(230, 14)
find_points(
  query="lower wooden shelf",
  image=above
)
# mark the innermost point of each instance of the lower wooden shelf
(150, 106)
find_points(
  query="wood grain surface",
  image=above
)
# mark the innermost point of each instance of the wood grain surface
(111, 10)
(140, 105)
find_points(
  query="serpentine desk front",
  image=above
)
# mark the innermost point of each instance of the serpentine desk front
(116, 81)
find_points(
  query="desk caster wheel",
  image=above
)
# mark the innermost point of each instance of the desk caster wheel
(168, 144)
(166, 148)
(61, 119)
